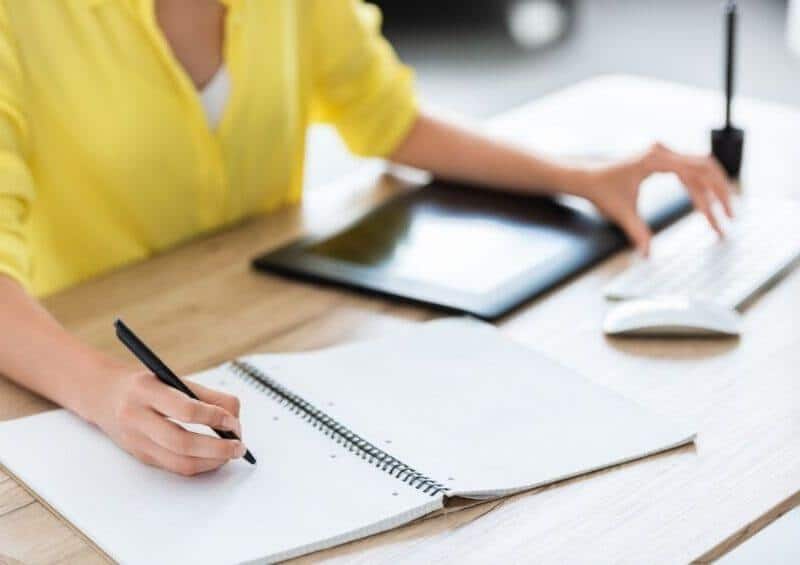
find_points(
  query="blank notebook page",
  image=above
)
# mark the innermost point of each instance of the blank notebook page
(305, 493)
(472, 409)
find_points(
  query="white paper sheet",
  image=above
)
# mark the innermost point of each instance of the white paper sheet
(472, 409)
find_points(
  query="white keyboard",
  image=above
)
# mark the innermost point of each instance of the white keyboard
(689, 259)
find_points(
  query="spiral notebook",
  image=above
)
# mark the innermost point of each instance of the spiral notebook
(351, 441)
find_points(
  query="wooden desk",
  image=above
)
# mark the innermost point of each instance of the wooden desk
(692, 503)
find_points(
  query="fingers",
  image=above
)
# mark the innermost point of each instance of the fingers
(703, 178)
(698, 173)
(702, 204)
(719, 185)
(185, 465)
(140, 421)
(174, 404)
(211, 396)
(637, 231)
(180, 441)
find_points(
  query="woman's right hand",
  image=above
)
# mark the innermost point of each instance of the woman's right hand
(130, 405)
(136, 410)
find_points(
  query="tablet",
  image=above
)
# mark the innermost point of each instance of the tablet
(467, 249)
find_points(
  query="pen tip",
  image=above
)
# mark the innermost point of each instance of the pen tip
(249, 458)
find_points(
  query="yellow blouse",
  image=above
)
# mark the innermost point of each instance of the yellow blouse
(106, 156)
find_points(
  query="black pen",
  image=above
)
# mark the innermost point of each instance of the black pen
(164, 373)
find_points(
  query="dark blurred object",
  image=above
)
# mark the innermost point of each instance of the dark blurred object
(727, 145)
(439, 12)
(530, 23)
(727, 142)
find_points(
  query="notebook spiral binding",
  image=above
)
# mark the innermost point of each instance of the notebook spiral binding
(337, 431)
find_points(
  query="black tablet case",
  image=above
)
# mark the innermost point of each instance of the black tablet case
(360, 256)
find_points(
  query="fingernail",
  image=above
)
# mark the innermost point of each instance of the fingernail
(241, 450)
(230, 423)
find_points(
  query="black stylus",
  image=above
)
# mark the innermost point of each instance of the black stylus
(727, 143)
(730, 56)
(164, 373)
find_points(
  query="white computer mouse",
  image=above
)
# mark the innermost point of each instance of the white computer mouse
(671, 316)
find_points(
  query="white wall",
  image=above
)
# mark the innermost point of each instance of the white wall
(793, 26)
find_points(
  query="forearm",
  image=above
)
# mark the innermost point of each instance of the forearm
(37, 353)
(127, 403)
(457, 153)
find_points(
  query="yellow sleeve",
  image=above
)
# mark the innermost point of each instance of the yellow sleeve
(16, 182)
(360, 86)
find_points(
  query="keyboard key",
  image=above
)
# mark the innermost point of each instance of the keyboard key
(690, 259)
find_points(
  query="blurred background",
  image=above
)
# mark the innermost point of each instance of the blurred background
(478, 58)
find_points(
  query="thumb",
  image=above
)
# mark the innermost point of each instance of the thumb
(637, 231)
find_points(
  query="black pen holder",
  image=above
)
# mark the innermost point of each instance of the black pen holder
(727, 145)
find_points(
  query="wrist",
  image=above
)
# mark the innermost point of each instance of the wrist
(577, 181)
(89, 390)
(553, 177)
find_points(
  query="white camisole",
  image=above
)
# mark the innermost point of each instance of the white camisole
(214, 96)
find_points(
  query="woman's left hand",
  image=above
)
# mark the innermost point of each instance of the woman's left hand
(614, 189)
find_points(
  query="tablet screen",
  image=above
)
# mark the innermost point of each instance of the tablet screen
(441, 243)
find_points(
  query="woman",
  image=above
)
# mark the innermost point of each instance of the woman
(108, 155)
